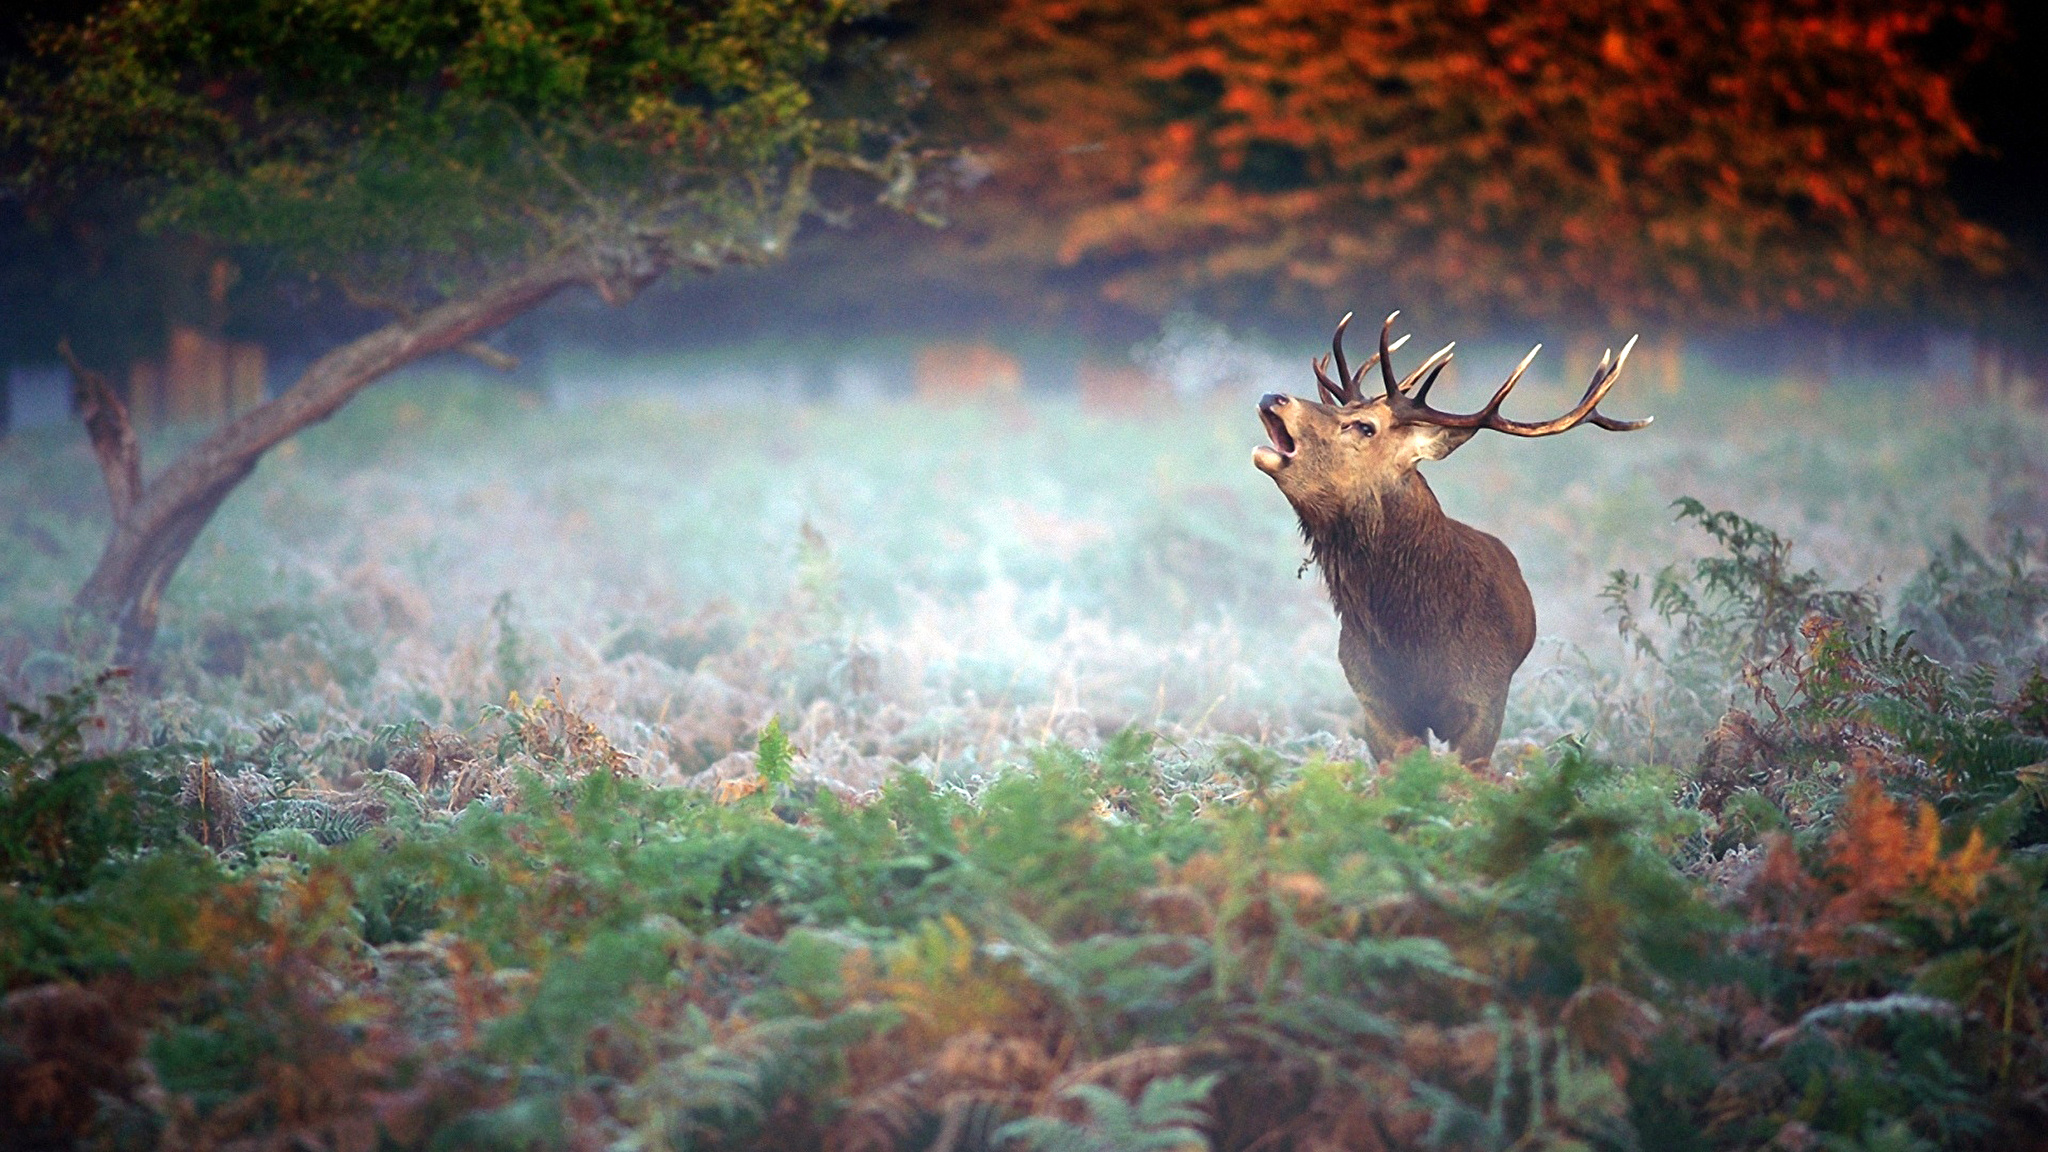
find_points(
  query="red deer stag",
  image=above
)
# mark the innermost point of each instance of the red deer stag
(1434, 615)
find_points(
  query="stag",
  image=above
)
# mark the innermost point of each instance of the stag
(1434, 614)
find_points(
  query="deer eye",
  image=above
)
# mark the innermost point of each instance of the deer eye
(1362, 428)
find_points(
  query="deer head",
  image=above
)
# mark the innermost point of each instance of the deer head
(1341, 457)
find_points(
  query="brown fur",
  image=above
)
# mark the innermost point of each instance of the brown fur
(1435, 615)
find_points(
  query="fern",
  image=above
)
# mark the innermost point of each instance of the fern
(775, 760)
(320, 819)
(701, 1087)
(509, 656)
(64, 813)
(1970, 608)
(1749, 600)
(1167, 1117)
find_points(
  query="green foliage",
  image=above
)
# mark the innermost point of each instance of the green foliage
(775, 762)
(1966, 607)
(1840, 693)
(1166, 1117)
(512, 939)
(1713, 626)
(1871, 795)
(399, 145)
(1949, 736)
(1744, 604)
(65, 814)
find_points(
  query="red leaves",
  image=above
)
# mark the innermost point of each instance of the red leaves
(1811, 145)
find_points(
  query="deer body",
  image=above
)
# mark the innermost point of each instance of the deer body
(1434, 615)
(1434, 619)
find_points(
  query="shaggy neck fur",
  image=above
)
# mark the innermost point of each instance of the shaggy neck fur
(1385, 553)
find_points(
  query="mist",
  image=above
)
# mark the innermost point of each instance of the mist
(685, 545)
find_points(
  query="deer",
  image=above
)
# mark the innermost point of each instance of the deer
(1434, 616)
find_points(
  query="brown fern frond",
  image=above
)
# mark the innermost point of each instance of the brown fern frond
(1127, 1073)
(62, 1047)
(880, 1120)
(986, 1060)
(1181, 909)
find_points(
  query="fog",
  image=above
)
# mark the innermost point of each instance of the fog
(683, 545)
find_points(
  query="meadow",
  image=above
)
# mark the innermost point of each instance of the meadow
(906, 584)
(655, 771)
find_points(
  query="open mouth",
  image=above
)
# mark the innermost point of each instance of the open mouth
(1276, 457)
(1277, 429)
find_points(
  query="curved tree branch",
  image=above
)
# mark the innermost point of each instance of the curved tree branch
(108, 427)
(156, 524)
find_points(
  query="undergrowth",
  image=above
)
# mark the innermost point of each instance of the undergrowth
(1000, 876)
(506, 938)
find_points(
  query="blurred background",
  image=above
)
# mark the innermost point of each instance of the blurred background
(963, 468)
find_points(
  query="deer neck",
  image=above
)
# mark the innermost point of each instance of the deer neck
(1389, 548)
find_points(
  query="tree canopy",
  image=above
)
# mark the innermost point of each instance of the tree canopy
(453, 163)
(408, 146)
(1606, 161)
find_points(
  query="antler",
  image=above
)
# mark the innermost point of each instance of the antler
(1416, 410)
(1344, 390)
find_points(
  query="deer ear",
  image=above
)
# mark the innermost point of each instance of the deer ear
(1433, 443)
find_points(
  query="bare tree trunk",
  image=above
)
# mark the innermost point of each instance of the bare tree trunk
(156, 524)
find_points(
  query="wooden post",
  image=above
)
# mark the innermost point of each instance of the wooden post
(1665, 360)
(955, 372)
(1990, 367)
(155, 525)
(195, 377)
(248, 377)
(1118, 388)
(202, 378)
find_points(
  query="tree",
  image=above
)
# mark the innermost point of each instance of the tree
(1607, 162)
(453, 163)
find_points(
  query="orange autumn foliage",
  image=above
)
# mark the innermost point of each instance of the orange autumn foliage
(1605, 161)
(1880, 863)
(1885, 858)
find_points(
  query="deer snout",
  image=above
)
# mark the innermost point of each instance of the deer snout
(1270, 459)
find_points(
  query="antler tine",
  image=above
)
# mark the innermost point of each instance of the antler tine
(1601, 386)
(1483, 417)
(1386, 356)
(1358, 374)
(1350, 393)
(1612, 425)
(1344, 389)
(1422, 392)
(1329, 389)
(1513, 379)
(1586, 411)
(1606, 374)
(1437, 360)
